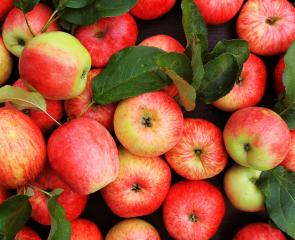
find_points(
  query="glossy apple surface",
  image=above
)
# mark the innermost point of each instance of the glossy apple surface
(26, 233)
(83, 229)
(278, 76)
(5, 7)
(289, 161)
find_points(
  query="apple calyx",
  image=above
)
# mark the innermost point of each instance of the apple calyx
(135, 187)
(193, 218)
(198, 152)
(272, 20)
(146, 121)
(239, 80)
(21, 42)
(100, 34)
(247, 147)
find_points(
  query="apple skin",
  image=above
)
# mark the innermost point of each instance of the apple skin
(218, 11)
(278, 76)
(141, 186)
(16, 33)
(83, 229)
(151, 9)
(257, 137)
(148, 125)
(26, 233)
(133, 229)
(6, 63)
(61, 60)
(240, 188)
(5, 7)
(193, 210)
(200, 153)
(250, 88)
(259, 231)
(108, 36)
(23, 150)
(88, 159)
(82, 106)
(289, 161)
(268, 26)
(4, 194)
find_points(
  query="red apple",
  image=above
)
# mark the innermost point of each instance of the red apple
(55, 64)
(278, 76)
(200, 153)
(107, 36)
(83, 229)
(16, 33)
(218, 11)
(4, 194)
(27, 233)
(248, 90)
(141, 186)
(84, 155)
(83, 106)
(259, 231)
(257, 137)
(268, 26)
(148, 125)
(151, 9)
(289, 161)
(133, 229)
(193, 210)
(23, 150)
(6, 63)
(5, 7)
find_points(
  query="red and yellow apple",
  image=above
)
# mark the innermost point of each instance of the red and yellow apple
(83, 229)
(26, 233)
(5, 7)
(289, 161)
(6, 63)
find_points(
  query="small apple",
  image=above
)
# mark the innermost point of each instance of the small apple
(289, 161)
(259, 231)
(4, 194)
(84, 155)
(200, 153)
(5, 7)
(148, 125)
(133, 229)
(55, 64)
(241, 190)
(107, 36)
(16, 33)
(257, 137)
(141, 186)
(248, 90)
(193, 210)
(278, 76)
(23, 149)
(218, 11)
(6, 63)
(268, 26)
(83, 229)
(83, 106)
(27, 233)
(151, 9)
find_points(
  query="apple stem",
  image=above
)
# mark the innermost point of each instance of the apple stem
(41, 190)
(29, 26)
(272, 20)
(50, 20)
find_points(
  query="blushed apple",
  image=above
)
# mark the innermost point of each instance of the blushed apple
(141, 186)
(289, 161)
(6, 63)
(5, 7)
(83, 229)
(148, 125)
(26, 233)
(56, 65)
(257, 137)
(278, 76)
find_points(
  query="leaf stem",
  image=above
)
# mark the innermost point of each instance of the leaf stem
(86, 109)
(29, 26)
(52, 118)
(41, 190)
(50, 20)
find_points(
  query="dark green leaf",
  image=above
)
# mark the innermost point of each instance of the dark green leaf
(60, 226)
(25, 5)
(78, 3)
(220, 76)
(278, 187)
(197, 63)
(14, 213)
(130, 72)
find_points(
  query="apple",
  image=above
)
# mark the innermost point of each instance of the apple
(193, 210)
(257, 137)
(4, 194)
(248, 90)
(23, 150)
(289, 161)
(5, 7)
(259, 231)
(141, 186)
(133, 229)
(151, 9)
(148, 125)
(83, 229)
(84, 155)
(83, 106)
(55, 64)
(218, 11)
(241, 190)
(6, 63)
(107, 36)
(268, 26)
(200, 153)
(26, 233)
(72, 202)
(278, 76)
(16, 33)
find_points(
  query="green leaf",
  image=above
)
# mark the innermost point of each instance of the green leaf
(220, 76)
(197, 63)
(78, 3)
(25, 5)
(278, 187)
(130, 72)
(60, 226)
(14, 213)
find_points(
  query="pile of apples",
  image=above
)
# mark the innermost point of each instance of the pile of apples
(128, 149)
